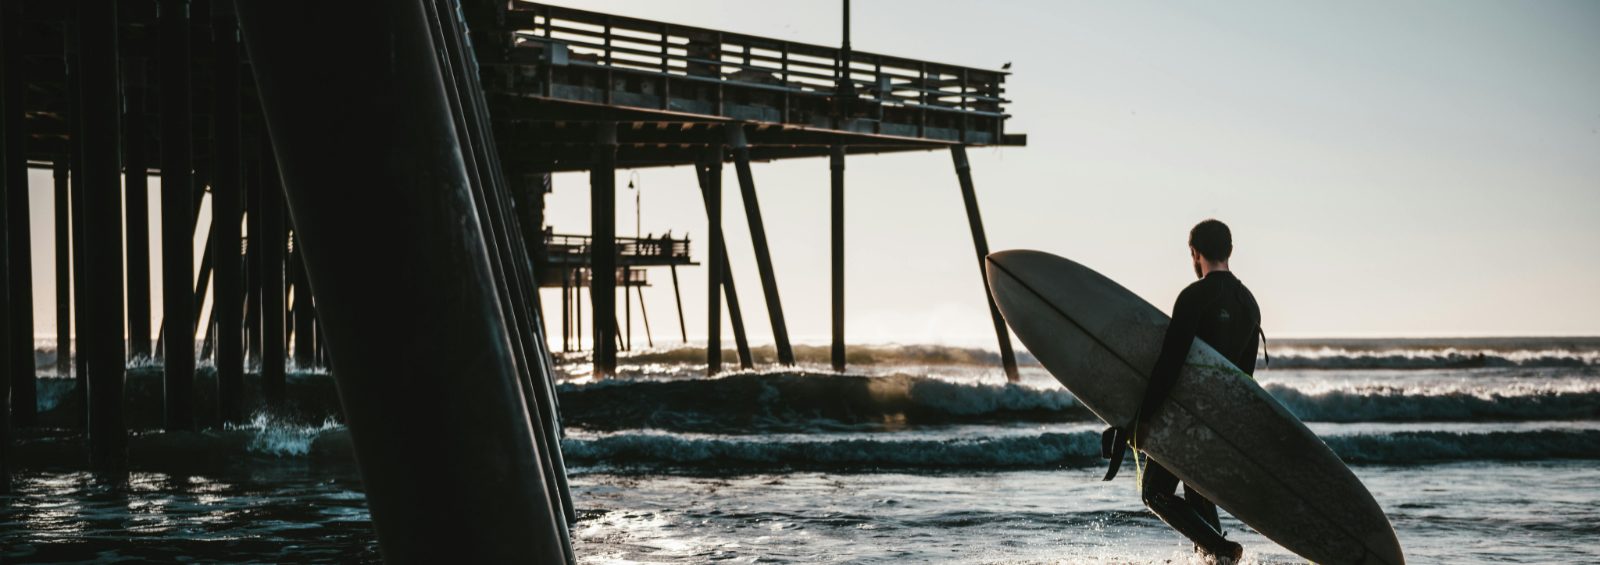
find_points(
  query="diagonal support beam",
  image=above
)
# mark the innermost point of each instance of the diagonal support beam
(980, 242)
(758, 238)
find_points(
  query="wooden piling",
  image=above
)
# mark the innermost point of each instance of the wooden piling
(80, 291)
(758, 238)
(603, 249)
(14, 181)
(177, 218)
(272, 240)
(481, 443)
(677, 295)
(305, 348)
(227, 199)
(836, 167)
(7, 162)
(716, 262)
(100, 105)
(980, 243)
(63, 247)
(711, 177)
(136, 187)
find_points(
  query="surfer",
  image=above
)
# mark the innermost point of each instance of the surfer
(1221, 311)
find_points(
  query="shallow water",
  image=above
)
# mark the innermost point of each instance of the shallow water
(921, 457)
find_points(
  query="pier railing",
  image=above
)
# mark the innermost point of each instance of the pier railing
(570, 54)
(572, 250)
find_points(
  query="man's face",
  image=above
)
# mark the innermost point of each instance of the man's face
(1194, 257)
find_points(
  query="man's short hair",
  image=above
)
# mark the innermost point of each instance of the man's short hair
(1212, 239)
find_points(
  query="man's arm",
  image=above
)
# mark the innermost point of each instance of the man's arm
(1174, 350)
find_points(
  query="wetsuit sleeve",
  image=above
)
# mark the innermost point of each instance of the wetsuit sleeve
(1174, 350)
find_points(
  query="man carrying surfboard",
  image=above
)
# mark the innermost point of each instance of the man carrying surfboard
(1219, 310)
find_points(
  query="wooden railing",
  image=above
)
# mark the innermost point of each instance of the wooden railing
(567, 36)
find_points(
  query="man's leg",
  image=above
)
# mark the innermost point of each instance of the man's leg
(1202, 506)
(1160, 494)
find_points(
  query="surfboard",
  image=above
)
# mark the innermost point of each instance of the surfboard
(1219, 431)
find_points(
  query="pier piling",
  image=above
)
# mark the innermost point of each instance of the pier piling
(603, 249)
(836, 223)
(483, 443)
(272, 241)
(717, 262)
(136, 183)
(100, 104)
(63, 255)
(14, 181)
(758, 238)
(980, 242)
(227, 202)
(177, 218)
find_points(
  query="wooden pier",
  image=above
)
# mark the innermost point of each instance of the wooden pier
(375, 175)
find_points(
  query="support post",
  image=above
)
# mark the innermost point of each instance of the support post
(981, 243)
(836, 167)
(177, 217)
(305, 348)
(683, 328)
(253, 242)
(227, 193)
(100, 104)
(80, 290)
(711, 176)
(498, 508)
(270, 296)
(136, 185)
(7, 124)
(644, 315)
(711, 188)
(24, 387)
(758, 238)
(566, 310)
(603, 249)
(63, 244)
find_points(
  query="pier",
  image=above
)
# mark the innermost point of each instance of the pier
(375, 176)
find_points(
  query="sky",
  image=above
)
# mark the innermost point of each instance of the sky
(1388, 169)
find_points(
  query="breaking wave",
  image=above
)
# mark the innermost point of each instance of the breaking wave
(1291, 354)
(1042, 450)
(750, 402)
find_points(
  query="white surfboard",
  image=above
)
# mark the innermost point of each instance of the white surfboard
(1218, 431)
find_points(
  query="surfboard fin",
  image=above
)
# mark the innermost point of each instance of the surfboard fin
(1113, 446)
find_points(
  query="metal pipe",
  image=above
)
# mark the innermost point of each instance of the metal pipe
(497, 508)
(981, 243)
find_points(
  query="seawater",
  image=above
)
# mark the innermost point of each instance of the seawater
(1480, 451)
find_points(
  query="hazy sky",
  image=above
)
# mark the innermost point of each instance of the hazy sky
(1387, 168)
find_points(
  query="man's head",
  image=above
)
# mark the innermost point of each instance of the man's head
(1210, 245)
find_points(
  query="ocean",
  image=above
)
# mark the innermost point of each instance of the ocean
(1479, 450)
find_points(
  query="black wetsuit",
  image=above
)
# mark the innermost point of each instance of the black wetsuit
(1221, 311)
